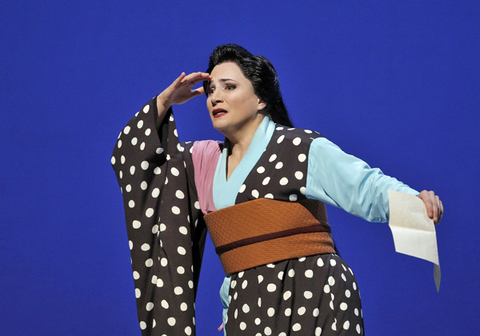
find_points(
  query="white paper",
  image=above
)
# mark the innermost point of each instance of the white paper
(413, 231)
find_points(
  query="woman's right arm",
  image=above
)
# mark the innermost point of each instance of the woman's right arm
(179, 92)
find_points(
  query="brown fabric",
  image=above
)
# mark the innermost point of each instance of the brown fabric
(264, 231)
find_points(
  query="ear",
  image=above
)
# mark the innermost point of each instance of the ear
(261, 105)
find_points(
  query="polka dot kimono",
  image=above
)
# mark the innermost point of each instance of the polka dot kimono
(312, 295)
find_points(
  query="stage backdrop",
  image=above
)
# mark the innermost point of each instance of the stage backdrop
(395, 83)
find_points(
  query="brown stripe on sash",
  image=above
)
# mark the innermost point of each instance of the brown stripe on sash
(269, 236)
(263, 231)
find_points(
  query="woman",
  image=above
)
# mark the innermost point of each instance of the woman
(261, 194)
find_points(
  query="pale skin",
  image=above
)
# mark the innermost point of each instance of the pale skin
(236, 112)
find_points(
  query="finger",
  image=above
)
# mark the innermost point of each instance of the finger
(435, 208)
(196, 77)
(198, 92)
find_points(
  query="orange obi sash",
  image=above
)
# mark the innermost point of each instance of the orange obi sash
(263, 231)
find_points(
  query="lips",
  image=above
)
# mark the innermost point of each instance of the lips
(218, 112)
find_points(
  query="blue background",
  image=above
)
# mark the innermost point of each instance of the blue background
(393, 82)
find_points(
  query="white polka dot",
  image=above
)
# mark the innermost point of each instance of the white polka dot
(149, 306)
(138, 293)
(128, 188)
(183, 306)
(163, 227)
(122, 159)
(258, 321)
(255, 193)
(155, 192)
(132, 170)
(331, 280)
(280, 139)
(331, 306)
(288, 312)
(302, 259)
(159, 282)
(140, 124)
(354, 285)
(283, 181)
(131, 204)
(244, 284)
(346, 325)
(119, 144)
(348, 293)
(120, 174)
(343, 306)
(261, 170)
(174, 171)
(298, 175)
(308, 295)
(271, 311)
(149, 212)
(142, 146)
(279, 165)
(171, 321)
(175, 210)
(243, 325)
(267, 331)
(143, 325)
(344, 278)
(148, 131)
(144, 165)
(126, 130)
(303, 190)
(302, 157)
(183, 230)
(291, 273)
(136, 224)
(273, 157)
(287, 295)
(188, 331)
(358, 328)
(301, 311)
(112, 160)
(134, 141)
(259, 302)
(296, 141)
(145, 247)
(266, 180)
(136, 275)
(271, 288)
(280, 275)
(246, 308)
(146, 108)
(309, 274)
(197, 205)
(181, 270)
(242, 188)
(164, 262)
(269, 195)
(297, 327)
(180, 148)
(260, 279)
(179, 194)
(130, 244)
(333, 262)
(178, 290)
(326, 289)
(149, 262)
(181, 250)
(157, 171)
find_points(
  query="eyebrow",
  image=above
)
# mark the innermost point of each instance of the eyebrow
(221, 80)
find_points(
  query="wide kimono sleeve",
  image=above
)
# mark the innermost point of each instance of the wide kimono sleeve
(165, 227)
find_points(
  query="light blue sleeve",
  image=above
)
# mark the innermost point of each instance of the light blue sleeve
(347, 182)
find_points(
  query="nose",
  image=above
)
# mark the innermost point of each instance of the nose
(215, 97)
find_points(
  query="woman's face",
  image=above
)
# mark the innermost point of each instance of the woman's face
(232, 103)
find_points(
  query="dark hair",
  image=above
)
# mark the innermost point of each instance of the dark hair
(261, 74)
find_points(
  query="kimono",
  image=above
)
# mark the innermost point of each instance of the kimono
(169, 186)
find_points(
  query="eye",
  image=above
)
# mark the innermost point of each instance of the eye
(230, 87)
(211, 89)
